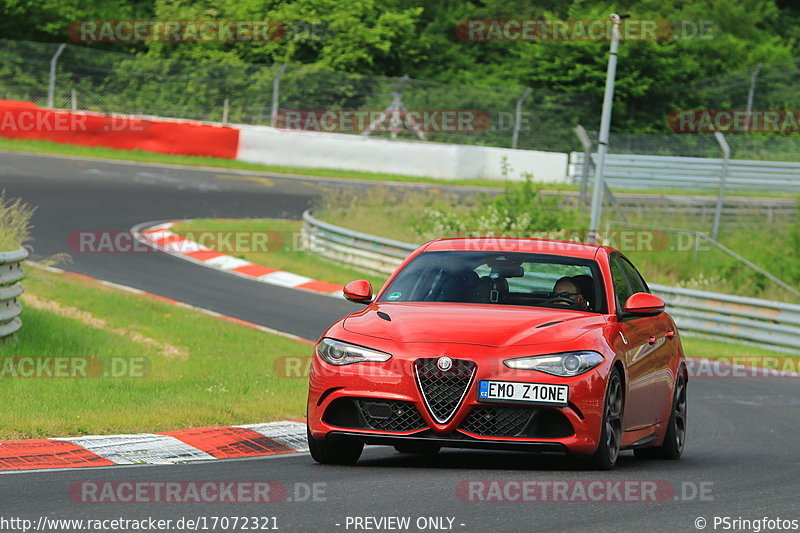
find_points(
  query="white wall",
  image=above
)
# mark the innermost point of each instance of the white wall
(258, 144)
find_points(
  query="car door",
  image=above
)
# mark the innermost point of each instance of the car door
(659, 389)
(636, 348)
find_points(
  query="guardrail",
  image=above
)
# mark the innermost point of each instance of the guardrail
(361, 251)
(725, 317)
(10, 288)
(652, 171)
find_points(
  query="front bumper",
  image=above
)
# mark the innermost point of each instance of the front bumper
(382, 404)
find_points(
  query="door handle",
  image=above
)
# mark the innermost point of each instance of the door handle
(651, 340)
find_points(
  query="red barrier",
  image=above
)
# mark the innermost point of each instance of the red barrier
(25, 120)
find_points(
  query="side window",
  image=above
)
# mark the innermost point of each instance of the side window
(635, 279)
(621, 287)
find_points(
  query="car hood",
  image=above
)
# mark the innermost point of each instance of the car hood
(481, 324)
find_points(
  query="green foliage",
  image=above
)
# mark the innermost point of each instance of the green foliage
(521, 211)
(418, 38)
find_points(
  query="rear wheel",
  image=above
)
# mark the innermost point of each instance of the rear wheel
(605, 458)
(419, 448)
(675, 438)
(334, 452)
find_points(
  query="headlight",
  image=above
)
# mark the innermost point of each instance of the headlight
(342, 353)
(562, 364)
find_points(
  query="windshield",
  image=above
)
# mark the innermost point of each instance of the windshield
(499, 278)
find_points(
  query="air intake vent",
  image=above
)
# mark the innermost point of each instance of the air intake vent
(497, 421)
(443, 390)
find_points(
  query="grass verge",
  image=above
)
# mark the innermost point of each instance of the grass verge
(186, 369)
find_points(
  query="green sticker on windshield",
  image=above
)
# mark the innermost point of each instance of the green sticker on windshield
(394, 296)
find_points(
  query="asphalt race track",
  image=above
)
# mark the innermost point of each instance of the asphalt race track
(742, 458)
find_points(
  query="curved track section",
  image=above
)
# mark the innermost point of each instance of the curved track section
(741, 457)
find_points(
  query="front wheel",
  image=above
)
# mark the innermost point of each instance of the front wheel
(334, 452)
(675, 438)
(605, 458)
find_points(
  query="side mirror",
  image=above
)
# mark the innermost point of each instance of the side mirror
(359, 291)
(643, 304)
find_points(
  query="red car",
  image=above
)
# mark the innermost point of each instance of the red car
(511, 344)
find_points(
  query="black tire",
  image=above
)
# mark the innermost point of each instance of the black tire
(605, 458)
(419, 448)
(675, 438)
(334, 452)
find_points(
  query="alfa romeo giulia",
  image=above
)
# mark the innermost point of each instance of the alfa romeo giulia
(511, 344)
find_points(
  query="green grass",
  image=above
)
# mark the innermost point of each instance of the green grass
(703, 348)
(286, 256)
(201, 371)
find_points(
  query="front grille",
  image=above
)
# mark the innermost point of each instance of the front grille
(366, 413)
(497, 421)
(443, 390)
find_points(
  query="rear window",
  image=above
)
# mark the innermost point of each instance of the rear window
(499, 278)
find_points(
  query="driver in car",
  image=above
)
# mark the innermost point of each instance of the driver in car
(566, 288)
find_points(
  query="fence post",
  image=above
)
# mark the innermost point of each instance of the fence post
(276, 87)
(518, 117)
(605, 125)
(225, 106)
(51, 94)
(751, 93)
(74, 100)
(580, 131)
(726, 156)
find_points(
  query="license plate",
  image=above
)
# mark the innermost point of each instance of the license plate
(516, 391)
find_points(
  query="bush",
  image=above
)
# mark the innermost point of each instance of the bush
(521, 211)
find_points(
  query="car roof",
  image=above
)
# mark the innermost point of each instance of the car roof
(513, 244)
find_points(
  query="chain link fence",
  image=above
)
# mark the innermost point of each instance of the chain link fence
(536, 118)
(109, 82)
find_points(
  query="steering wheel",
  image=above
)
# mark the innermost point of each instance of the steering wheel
(556, 299)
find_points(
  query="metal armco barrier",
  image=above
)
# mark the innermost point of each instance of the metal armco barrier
(352, 248)
(652, 171)
(768, 323)
(10, 288)
(733, 318)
